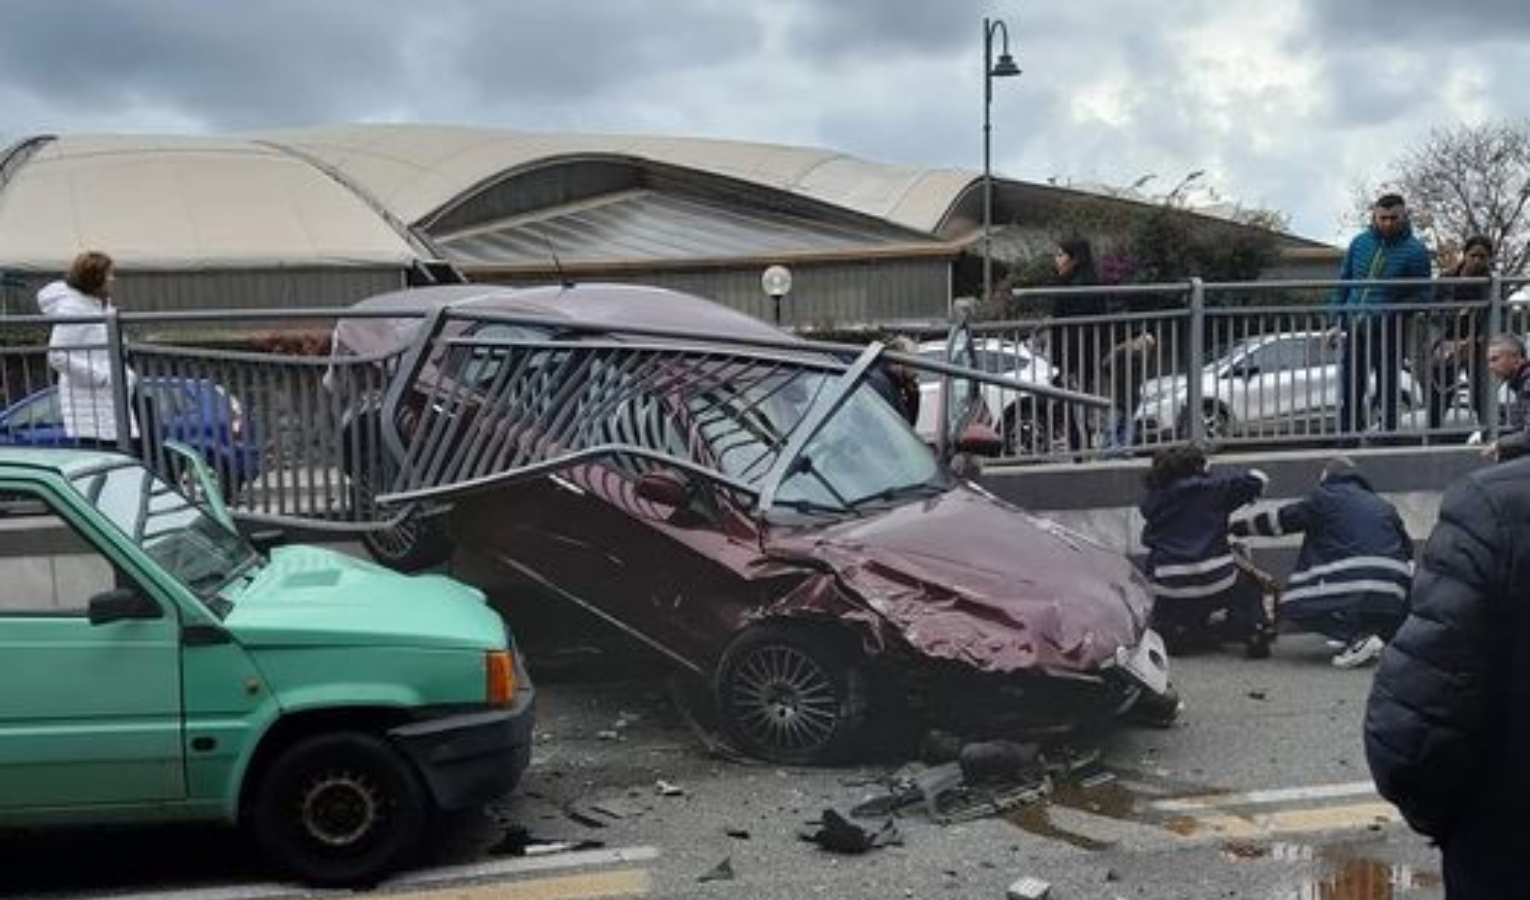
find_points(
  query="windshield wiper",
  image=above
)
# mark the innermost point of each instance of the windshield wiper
(886, 494)
(811, 507)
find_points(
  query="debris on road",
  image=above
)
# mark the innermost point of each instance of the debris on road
(838, 834)
(518, 841)
(723, 871)
(740, 834)
(667, 789)
(1029, 889)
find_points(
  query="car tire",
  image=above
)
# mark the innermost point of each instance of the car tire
(340, 809)
(1216, 420)
(792, 695)
(413, 543)
(1026, 433)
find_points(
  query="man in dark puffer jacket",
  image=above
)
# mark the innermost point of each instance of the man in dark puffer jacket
(1447, 726)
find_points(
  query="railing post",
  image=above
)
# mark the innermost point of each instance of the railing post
(1495, 327)
(1195, 363)
(116, 358)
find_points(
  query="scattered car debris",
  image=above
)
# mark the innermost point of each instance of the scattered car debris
(667, 789)
(1258, 695)
(838, 834)
(615, 808)
(996, 760)
(1098, 779)
(741, 834)
(518, 841)
(610, 734)
(583, 818)
(723, 871)
(1029, 888)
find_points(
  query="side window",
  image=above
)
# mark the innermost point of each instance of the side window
(41, 412)
(46, 567)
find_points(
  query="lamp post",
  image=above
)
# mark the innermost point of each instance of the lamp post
(776, 281)
(1004, 68)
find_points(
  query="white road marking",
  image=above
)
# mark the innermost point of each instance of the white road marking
(1347, 790)
(467, 872)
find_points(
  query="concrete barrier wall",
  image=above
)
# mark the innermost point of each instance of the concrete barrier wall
(1099, 499)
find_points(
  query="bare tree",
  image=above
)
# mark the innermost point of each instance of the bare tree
(1471, 179)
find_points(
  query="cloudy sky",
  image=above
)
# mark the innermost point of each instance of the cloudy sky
(1288, 105)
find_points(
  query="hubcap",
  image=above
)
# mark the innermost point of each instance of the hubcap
(784, 699)
(339, 809)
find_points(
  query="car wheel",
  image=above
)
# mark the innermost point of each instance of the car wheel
(413, 543)
(791, 695)
(339, 809)
(1215, 422)
(1026, 433)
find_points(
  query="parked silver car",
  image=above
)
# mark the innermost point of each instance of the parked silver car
(1022, 421)
(1266, 385)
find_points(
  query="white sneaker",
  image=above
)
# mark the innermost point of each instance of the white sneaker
(1360, 652)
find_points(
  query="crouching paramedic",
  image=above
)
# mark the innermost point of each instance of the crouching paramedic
(1190, 563)
(1356, 563)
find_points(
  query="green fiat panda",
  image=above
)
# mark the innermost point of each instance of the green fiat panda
(157, 667)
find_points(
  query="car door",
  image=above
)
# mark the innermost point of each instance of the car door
(675, 577)
(89, 714)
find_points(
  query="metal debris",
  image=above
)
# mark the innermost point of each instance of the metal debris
(666, 789)
(723, 871)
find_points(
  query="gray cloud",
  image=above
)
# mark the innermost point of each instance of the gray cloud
(1111, 90)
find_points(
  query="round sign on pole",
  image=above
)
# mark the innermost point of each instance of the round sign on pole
(777, 281)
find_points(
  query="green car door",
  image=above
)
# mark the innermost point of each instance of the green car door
(90, 714)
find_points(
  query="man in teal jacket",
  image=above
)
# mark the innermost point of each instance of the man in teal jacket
(1372, 333)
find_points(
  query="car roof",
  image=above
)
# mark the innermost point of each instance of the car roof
(614, 306)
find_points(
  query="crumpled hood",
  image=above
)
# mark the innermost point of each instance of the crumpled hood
(967, 577)
(309, 596)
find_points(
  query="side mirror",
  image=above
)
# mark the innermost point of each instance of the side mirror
(979, 439)
(666, 488)
(267, 538)
(122, 604)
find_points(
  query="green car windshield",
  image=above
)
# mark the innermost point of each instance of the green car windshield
(193, 547)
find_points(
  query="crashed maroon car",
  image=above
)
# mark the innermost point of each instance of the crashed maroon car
(744, 503)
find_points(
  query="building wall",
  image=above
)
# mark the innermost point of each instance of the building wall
(828, 294)
(273, 288)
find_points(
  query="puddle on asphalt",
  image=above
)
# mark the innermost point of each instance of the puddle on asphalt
(1338, 874)
(1036, 818)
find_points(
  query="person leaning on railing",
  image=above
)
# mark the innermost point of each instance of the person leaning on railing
(1372, 334)
(1457, 333)
(77, 351)
(1506, 360)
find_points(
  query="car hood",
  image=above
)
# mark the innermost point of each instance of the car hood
(967, 577)
(308, 596)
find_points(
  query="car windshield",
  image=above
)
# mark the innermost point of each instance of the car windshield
(186, 542)
(865, 452)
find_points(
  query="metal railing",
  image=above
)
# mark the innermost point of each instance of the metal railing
(304, 435)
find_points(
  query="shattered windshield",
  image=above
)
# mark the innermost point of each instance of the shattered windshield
(863, 453)
(189, 544)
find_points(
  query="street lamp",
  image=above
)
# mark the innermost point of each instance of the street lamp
(1004, 68)
(776, 281)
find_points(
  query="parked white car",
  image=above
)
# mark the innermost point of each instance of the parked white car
(1013, 412)
(1271, 384)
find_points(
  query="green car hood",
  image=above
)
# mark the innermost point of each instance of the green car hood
(308, 596)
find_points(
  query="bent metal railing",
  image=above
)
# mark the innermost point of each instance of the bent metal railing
(300, 435)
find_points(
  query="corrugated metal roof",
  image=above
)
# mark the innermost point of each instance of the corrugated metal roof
(649, 225)
(418, 170)
(163, 202)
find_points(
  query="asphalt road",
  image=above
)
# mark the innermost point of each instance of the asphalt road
(1259, 791)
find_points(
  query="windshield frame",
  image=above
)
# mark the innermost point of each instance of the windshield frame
(825, 409)
(197, 535)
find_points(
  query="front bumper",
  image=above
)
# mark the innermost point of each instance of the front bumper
(472, 758)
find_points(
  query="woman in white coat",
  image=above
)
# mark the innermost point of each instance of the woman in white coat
(77, 352)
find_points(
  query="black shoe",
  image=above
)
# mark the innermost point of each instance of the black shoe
(1257, 645)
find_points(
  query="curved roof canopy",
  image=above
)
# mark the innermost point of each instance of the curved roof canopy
(173, 202)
